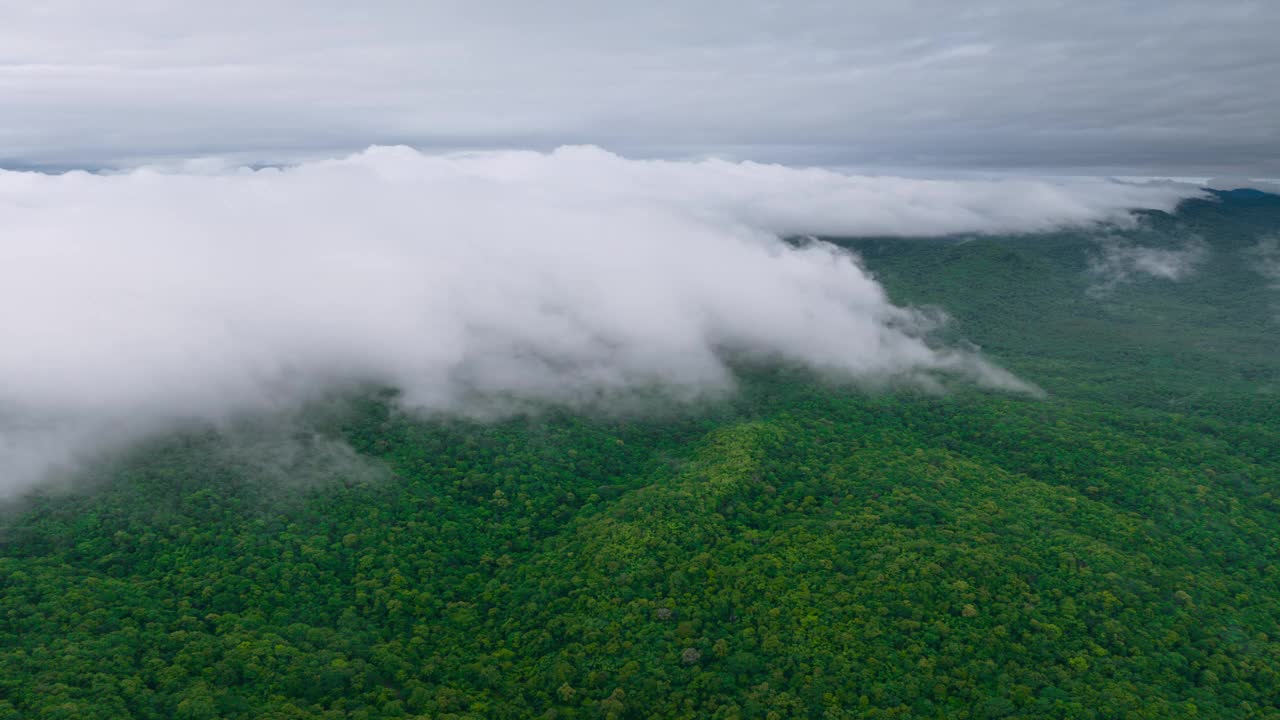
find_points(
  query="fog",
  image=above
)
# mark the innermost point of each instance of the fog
(471, 282)
(1121, 261)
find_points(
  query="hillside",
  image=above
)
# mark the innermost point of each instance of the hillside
(804, 548)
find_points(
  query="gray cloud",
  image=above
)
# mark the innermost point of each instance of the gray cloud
(1140, 86)
(135, 300)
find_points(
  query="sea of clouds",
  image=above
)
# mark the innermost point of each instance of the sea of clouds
(133, 300)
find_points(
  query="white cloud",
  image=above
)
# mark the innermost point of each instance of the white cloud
(136, 299)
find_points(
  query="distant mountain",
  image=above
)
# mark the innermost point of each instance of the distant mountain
(1190, 292)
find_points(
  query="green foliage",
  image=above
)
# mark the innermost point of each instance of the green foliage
(802, 550)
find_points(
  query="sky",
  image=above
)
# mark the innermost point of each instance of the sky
(1155, 87)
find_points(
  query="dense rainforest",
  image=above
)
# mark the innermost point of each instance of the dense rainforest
(805, 548)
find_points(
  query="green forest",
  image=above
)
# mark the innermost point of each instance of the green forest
(804, 548)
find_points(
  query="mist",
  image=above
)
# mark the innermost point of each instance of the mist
(1121, 261)
(202, 291)
(1265, 259)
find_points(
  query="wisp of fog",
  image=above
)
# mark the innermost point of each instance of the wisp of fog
(1265, 259)
(1120, 261)
(135, 299)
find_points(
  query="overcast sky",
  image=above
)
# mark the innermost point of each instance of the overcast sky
(1136, 86)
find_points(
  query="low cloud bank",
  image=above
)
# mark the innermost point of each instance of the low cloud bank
(134, 300)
